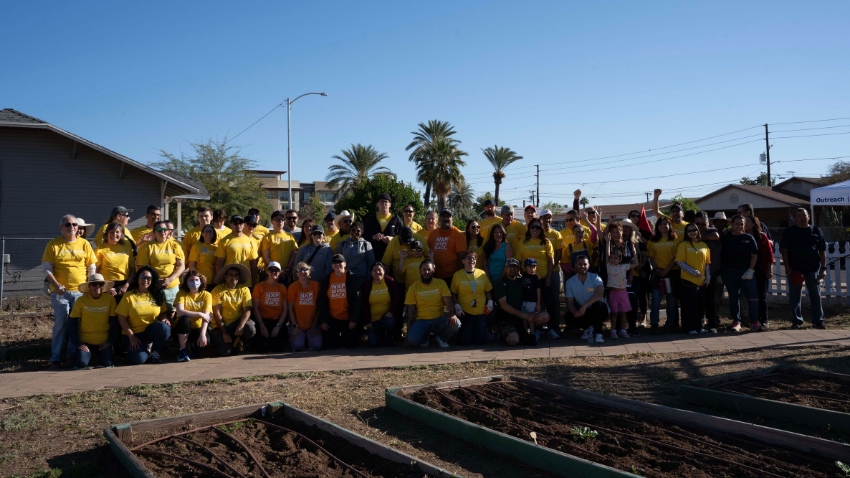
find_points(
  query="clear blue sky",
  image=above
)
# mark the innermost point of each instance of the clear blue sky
(558, 82)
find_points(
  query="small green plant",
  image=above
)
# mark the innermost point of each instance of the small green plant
(583, 433)
(232, 427)
(843, 467)
(635, 470)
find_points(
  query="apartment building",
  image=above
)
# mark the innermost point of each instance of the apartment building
(277, 191)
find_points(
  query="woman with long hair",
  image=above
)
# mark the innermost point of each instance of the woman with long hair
(496, 252)
(121, 215)
(693, 257)
(661, 250)
(306, 227)
(380, 306)
(536, 246)
(194, 315)
(116, 261)
(474, 241)
(142, 315)
(202, 255)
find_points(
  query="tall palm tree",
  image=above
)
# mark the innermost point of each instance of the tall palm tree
(500, 158)
(440, 167)
(423, 142)
(359, 163)
(463, 197)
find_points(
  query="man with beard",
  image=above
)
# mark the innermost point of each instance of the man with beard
(426, 301)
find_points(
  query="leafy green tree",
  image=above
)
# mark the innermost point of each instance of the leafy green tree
(686, 203)
(315, 210)
(760, 180)
(479, 202)
(422, 146)
(839, 172)
(361, 200)
(359, 163)
(500, 158)
(462, 196)
(555, 207)
(225, 174)
(584, 201)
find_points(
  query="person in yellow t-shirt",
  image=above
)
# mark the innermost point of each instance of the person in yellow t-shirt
(331, 230)
(407, 218)
(578, 247)
(513, 229)
(166, 257)
(380, 310)
(661, 251)
(260, 230)
(142, 315)
(67, 261)
(474, 240)
(426, 303)
(270, 311)
(143, 234)
(205, 218)
(409, 261)
(693, 258)
(116, 261)
(93, 325)
(339, 306)
(399, 244)
(490, 218)
(194, 315)
(280, 246)
(220, 223)
(237, 248)
(202, 256)
(536, 246)
(119, 214)
(472, 301)
(676, 217)
(232, 307)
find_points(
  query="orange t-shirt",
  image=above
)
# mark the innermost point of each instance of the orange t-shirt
(270, 299)
(304, 302)
(446, 245)
(338, 297)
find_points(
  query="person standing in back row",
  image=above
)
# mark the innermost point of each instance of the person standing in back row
(380, 228)
(803, 250)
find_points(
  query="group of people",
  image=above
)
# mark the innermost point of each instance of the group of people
(232, 281)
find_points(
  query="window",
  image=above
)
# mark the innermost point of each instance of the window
(284, 195)
(270, 194)
(268, 175)
(327, 196)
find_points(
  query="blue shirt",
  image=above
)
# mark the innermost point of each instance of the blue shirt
(582, 292)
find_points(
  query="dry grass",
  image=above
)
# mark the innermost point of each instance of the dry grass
(51, 435)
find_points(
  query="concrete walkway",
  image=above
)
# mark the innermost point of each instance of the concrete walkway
(68, 381)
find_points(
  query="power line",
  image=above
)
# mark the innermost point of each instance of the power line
(658, 177)
(810, 135)
(812, 121)
(809, 129)
(255, 122)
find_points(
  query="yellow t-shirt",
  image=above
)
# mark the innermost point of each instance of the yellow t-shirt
(379, 300)
(411, 270)
(192, 236)
(663, 251)
(515, 233)
(281, 245)
(679, 228)
(199, 302)
(479, 252)
(140, 309)
(70, 261)
(486, 225)
(572, 247)
(223, 232)
(233, 302)
(695, 255)
(94, 317)
(334, 242)
(328, 237)
(555, 239)
(162, 256)
(414, 226)
(203, 255)
(98, 238)
(384, 220)
(114, 262)
(237, 250)
(541, 252)
(462, 287)
(140, 231)
(260, 232)
(569, 237)
(392, 256)
(428, 299)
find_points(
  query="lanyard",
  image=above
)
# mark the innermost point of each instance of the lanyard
(472, 281)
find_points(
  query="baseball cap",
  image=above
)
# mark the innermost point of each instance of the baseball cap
(338, 258)
(513, 261)
(235, 219)
(507, 209)
(675, 205)
(489, 202)
(546, 212)
(530, 262)
(277, 214)
(446, 211)
(317, 228)
(406, 235)
(251, 220)
(416, 245)
(530, 206)
(120, 210)
(330, 216)
(273, 265)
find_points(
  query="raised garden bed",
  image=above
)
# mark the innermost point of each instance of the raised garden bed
(274, 440)
(581, 433)
(786, 393)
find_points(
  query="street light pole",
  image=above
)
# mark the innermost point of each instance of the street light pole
(288, 144)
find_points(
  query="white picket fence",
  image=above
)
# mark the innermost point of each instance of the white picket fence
(834, 289)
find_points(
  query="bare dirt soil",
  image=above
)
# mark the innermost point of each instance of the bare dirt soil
(809, 391)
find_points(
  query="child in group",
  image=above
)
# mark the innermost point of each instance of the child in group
(619, 278)
(531, 294)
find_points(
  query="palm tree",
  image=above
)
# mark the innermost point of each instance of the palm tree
(440, 166)
(500, 158)
(359, 163)
(463, 197)
(422, 144)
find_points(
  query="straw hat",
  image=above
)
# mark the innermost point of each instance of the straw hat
(87, 228)
(719, 216)
(84, 287)
(244, 273)
(626, 222)
(339, 217)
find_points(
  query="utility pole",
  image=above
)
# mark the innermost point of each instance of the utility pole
(767, 153)
(647, 197)
(538, 184)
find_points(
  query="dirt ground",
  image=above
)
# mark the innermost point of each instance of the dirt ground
(61, 435)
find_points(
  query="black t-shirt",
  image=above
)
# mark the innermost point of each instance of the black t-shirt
(735, 250)
(804, 245)
(511, 290)
(530, 286)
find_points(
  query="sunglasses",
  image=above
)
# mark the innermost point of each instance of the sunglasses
(570, 219)
(591, 213)
(145, 277)
(409, 211)
(692, 230)
(291, 218)
(346, 221)
(70, 224)
(303, 269)
(318, 233)
(97, 284)
(161, 229)
(418, 249)
(278, 219)
(273, 270)
(536, 227)
(125, 214)
(634, 215)
(475, 227)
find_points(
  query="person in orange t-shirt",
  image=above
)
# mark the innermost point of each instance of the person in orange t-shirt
(446, 243)
(339, 306)
(270, 311)
(302, 297)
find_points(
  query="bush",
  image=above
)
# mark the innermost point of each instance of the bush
(361, 200)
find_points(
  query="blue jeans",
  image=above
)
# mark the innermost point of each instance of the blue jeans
(552, 301)
(156, 333)
(734, 286)
(62, 305)
(672, 305)
(104, 357)
(795, 294)
(474, 330)
(380, 330)
(422, 329)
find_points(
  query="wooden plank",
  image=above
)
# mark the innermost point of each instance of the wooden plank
(124, 433)
(196, 419)
(836, 377)
(452, 383)
(731, 377)
(127, 458)
(528, 452)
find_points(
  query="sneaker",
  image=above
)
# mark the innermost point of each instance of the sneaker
(765, 325)
(599, 339)
(755, 327)
(693, 332)
(154, 358)
(553, 335)
(183, 355)
(588, 333)
(703, 331)
(624, 334)
(56, 365)
(613, 334)
(713, 330)
(736, 326)
(819, 325)
(440, 342)
(536, 335)
(425, 343)
(796, 326)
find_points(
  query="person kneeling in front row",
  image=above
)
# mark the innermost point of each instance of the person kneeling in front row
(194, 314)
(517, 325)
(425, 303)
(93, 324)
(585, 310)
(142, 314)
(232, 306)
